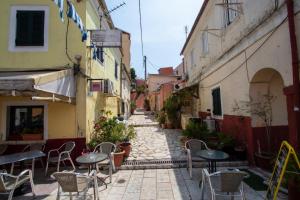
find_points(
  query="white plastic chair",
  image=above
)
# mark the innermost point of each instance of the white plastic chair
(74, 182)
(9, 182)
(228, 183)
(109, 149)
(63, 154)
(191, 147)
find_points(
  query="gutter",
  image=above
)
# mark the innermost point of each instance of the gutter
(295, 64)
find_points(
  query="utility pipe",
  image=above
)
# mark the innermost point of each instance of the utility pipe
(295, 66)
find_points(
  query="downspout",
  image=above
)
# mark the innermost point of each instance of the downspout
(295, 65)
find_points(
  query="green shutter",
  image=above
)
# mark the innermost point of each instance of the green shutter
(217, 107)
(30, 28)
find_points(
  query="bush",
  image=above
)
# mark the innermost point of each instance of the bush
(196, 130)
(161, 117)
(109, 130)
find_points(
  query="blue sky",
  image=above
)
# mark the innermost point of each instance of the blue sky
(163, 29)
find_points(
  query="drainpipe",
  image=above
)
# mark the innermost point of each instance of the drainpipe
(295, 66)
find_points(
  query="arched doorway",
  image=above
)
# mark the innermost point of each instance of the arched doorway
(268, 108)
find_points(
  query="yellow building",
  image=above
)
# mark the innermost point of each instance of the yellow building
(46, 71)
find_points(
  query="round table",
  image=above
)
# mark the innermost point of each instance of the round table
(212, 156)
(91, 159)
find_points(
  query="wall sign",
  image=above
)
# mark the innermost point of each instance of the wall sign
(106, 38)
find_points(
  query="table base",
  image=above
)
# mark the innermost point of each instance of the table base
(212, 166)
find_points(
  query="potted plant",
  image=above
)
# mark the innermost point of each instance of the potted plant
(129, 134)
(162, 119)
(172, 106)
(262, 109)
(225, 143)
(118, 156)
(196, 130)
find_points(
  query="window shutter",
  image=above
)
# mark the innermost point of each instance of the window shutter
(30, 28)
(38, 20)
(216, 95)
(116, 70)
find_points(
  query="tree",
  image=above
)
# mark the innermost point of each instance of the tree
(133, 75)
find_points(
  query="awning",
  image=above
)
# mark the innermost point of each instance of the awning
(54, 82)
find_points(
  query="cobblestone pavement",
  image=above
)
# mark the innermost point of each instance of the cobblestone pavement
(150, 184)
(152, 142)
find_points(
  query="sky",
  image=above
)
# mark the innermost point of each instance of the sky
(163, 24)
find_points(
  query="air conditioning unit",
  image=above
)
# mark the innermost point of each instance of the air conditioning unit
(211, 124)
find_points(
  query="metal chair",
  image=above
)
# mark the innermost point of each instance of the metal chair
(74, 182)
(63, 153)
(109, 149)
(9, 182)
(228, 183)
(32, 147)
(192, 146)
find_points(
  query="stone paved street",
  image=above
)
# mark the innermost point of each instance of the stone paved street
(152, 142)
(150, 184)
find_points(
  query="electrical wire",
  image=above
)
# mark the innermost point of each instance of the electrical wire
(151, 64)
(67, 33)
(243, 63)
(141, 29)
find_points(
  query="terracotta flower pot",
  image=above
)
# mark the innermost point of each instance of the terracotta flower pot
(126, 146)
(118, 158)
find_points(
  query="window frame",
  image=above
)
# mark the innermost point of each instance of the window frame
(13, 28)
(230, 15)
(101, 49)
(192, 58)
(204, 39)
(221, 103)
(25, 103)
(116, 69)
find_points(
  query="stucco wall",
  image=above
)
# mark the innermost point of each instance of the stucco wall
(61, 119)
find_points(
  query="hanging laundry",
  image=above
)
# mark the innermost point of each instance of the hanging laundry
(60, 4)
(72, 13)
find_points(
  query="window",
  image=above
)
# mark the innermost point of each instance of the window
(100, 54)
(231, 11)
(192, 58)
(205, 42)
(116, 69)
(25, 121)
(217, 106)
(29, 28)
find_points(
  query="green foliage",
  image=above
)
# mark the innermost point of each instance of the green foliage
(161, 117)
(109, 130)
(172, 107)
(132, 75)
(132, 105)
(225, 141)
(196, 130)
(140, 90)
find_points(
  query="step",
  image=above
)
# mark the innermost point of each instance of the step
(168, 164)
